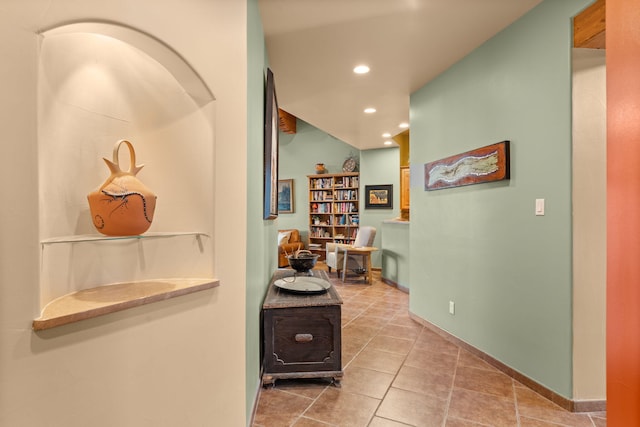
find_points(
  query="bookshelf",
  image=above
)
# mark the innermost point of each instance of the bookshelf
(334, 209)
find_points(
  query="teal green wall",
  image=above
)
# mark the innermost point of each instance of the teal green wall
(261, 235)
(379, 167)
(395, 253)
(299, 154)
(508, 271)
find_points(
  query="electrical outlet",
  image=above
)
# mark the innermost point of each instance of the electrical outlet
(452, 307)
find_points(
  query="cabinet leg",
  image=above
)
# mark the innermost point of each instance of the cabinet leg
(268, 381)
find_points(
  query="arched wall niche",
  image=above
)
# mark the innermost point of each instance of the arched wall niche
(99, 82)
(188, 78)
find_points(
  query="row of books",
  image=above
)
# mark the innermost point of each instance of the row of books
(346, 194)
(348, 181)
(346, 207)
(321, 208)
(321, 195)
(347, 234)
(319, 232)
(348, 220)
(322, 183)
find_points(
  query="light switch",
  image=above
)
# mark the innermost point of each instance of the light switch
(539, 206)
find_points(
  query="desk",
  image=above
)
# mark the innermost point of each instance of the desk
(365, 252)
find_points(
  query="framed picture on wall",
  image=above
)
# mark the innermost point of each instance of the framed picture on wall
(271, 122)
(285, 196)
(378, 196)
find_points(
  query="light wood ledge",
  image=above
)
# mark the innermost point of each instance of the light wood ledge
(101, 300)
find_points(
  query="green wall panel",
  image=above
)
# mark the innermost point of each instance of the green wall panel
(395, 253)
(508, 271)
(379, 167)
(261, 235)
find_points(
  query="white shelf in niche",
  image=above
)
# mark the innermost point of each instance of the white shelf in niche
(113, 297)
(101, 237)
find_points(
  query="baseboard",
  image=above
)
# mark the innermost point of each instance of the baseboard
(395, 285)
(256, 400)
(568, 404)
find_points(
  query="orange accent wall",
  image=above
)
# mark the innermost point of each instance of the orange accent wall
(623, 213)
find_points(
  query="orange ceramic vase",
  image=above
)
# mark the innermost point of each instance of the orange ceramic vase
(122, 206)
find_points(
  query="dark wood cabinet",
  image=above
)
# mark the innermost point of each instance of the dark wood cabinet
(301, 333)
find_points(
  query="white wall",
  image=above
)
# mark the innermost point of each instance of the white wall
(177, 362)
(589, 224)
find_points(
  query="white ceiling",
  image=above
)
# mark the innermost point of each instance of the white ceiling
(313, 46)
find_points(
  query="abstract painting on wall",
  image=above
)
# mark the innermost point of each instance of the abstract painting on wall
(490, 163)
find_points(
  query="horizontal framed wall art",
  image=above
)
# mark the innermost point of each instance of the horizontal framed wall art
(485, 164)
(378, 196)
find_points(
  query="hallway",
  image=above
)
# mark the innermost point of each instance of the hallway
(398, 373)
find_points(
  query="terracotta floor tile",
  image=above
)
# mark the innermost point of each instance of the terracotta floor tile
(402, 318)
(366, 381)
(427, 359)
(279, 408)
(305, 387)
(534, 406)
(431, 341)
(455, 422)
(358, 332)
(528, 398)
(308, 422)
(434, 382)
(348, 354)
(412, 408)
(530, 422)
(482, 408)
(391, 344)
(378, 360)
(473, 361)
(556, 417)
(348, 314)
(599, 421)
(491, 382)
(383, 422)
(370, 321)
(343, 408)
(355, 343)
(382, 312)
(356, 304)
(400, 331)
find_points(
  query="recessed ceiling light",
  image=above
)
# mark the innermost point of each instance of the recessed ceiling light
(361, 69)
(370, 110)
(386, 135)
(388, 142)
(403, 125)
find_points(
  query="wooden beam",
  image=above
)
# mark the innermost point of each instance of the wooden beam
(287, 121)
(589, 27)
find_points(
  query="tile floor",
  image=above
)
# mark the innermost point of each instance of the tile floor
(398, 373)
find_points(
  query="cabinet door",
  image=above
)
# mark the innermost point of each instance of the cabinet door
(302, 339)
